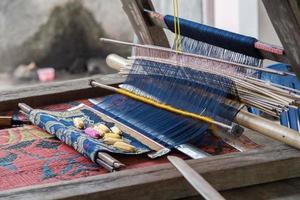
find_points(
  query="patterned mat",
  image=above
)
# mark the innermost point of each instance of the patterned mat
(30, 156)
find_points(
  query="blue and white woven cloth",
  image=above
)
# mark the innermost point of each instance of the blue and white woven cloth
(61, 125)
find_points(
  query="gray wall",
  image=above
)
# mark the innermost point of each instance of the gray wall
(20, 20)
(191, 10)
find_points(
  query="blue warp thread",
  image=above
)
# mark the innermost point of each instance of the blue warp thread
(184, 88)
(217, 37)
(181, 87)
(166, 128)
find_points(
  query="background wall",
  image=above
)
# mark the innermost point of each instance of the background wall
(191, 10)
(247, 17)
(21, 21)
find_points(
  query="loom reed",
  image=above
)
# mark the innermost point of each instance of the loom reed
(190, 55)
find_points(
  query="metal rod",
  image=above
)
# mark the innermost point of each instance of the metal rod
(192, 151)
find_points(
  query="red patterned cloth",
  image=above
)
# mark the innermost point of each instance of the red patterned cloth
(29, 156)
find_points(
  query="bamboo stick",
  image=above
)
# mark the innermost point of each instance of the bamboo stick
(243, 87)
(195, 179)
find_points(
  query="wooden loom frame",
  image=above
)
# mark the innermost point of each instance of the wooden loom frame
(224, 172)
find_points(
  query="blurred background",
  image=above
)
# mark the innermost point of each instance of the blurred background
(41, 38)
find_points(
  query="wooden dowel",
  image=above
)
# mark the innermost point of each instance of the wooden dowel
(268, 128)
(195, 179)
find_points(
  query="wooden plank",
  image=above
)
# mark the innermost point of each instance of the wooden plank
(146, 32)
(57, 92)
(164, 181)
(285, 17)
(280, 190)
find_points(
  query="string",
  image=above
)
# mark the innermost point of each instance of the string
(177, 39)
(178, 26)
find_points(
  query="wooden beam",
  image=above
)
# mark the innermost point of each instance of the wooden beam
(57, 92)
(285, 17)
(165, 182)
(146, 32)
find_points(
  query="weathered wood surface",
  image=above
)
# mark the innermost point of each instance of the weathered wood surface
(279, 190)
(164, 181)
(285, 17)
(57, 92)
(146, 32)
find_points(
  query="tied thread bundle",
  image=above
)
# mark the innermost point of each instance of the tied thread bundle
(177, 39)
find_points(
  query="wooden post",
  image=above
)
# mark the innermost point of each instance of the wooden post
(285, 17)
(146, 32)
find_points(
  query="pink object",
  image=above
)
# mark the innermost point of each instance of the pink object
(46, 74)
(92, 133)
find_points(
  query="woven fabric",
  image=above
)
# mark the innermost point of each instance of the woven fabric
(61, 125)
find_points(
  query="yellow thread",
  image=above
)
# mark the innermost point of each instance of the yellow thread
(178, 26)
(164, 106)
(175, 25)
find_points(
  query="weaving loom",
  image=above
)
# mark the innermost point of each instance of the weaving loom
(209, 82)
(191, 97)
(160, 74)
(203, 86)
